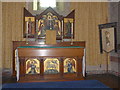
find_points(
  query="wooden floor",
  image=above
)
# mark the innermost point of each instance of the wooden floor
(108, 79)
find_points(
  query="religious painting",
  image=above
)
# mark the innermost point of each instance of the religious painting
(68, 27)
(48, 22)
(51, 66)
(69, 65)
(108, 37)
(32, 66)
(29, 26)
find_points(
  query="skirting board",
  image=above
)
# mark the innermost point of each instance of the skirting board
(103, 72)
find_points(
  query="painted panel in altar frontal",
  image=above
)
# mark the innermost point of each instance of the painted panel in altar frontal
(69, 65)
(32, 66)
(51, 66)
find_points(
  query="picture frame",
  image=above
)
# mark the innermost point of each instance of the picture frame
(108, 40)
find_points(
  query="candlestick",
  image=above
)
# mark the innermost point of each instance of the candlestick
(36, 30)
(71, 33)
(72, 28)
(27, 32)
(62, 31)
(27, 27)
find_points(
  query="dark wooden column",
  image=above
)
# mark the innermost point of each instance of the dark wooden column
(14, 72)
(41, 66)
(22, 66)
(79, 67)
(61, 67)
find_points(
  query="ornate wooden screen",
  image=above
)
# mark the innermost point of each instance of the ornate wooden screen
(35, 26)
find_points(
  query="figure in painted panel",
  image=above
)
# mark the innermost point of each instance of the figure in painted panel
(29, 26)
(70, 64)
(41, 28)
(107, 34)
(49, 25)
(57, 27)
(51, 67)
(68, 28)
(32, 68)
(33, 28)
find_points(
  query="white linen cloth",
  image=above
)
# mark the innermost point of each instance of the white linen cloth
(84, 63)
(17, 64)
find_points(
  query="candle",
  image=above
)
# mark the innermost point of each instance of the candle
(36, 25)
(37, 30)
(72, 29)
(62, 31)
(62, 26)
(27, 27)
(71, 33)
(27, 32)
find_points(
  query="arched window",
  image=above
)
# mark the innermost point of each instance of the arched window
(38, 6)
(47, 3)
(43, 4)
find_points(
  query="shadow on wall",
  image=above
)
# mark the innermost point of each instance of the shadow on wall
(119, 48)
(114, 63)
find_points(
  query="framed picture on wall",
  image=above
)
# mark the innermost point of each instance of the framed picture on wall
(108, 38)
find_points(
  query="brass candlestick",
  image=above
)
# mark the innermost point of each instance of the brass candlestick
(71, 33)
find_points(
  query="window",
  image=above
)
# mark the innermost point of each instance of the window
(47, 3)
(43, 3)
(36, 7)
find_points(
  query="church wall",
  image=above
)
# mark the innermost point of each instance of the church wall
(87, 17)
(114, 12)
(0, 44)
(0, 36)
(12, 29)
